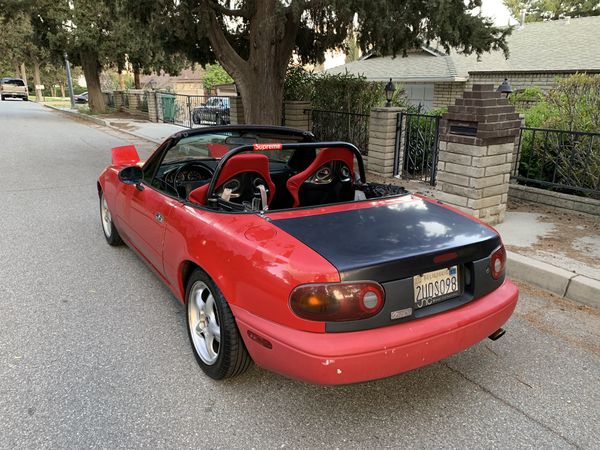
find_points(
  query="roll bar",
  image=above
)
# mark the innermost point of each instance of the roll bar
(211, 199)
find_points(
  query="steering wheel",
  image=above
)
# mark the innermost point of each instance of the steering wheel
(188, 185)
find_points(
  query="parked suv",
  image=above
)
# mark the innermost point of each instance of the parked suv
(214, 111)
(13, 88)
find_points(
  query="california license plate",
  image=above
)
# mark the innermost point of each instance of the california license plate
(437, 286)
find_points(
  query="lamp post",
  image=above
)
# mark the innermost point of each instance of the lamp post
(505, 88)
(389, 93)
(69, 81)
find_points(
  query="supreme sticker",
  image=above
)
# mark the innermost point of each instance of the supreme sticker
(263, 147)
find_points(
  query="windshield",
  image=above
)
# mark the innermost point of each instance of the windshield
(14, 82)
(215, 145)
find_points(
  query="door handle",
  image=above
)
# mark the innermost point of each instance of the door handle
(159, 217)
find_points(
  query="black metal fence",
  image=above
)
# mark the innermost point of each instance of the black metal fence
(193, 110)
(564, 161)
(341, 126)
(417, 146)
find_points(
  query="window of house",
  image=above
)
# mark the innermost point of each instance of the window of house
(420, 94)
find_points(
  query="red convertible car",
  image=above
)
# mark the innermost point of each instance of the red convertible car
(285, 255)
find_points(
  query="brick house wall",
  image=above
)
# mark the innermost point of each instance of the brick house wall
(520, 80)
(444, 94)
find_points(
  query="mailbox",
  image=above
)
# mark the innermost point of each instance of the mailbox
(462, 128)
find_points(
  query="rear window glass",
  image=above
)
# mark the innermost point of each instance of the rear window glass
(215, 145)
(14, 82)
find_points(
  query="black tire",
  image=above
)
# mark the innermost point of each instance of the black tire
(2, 97)
(232, 357)
(25, 99)
(108, 227)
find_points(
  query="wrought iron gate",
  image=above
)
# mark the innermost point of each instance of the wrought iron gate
(341, 126)
(193, 110)
(417, 146)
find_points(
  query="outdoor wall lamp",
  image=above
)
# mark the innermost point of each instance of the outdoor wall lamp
(505, 88)
(389, 92)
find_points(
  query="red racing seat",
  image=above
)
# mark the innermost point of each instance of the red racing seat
(328, 179)
(255, 165)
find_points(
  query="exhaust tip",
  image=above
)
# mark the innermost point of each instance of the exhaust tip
(497, 334)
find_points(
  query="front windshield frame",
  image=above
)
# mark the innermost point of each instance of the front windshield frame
(215, 144)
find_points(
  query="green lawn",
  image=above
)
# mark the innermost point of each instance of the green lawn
(60, 102)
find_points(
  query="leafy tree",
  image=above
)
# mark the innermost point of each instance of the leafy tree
(352, 49)
(254, 39)
(12, 42)
(96, 34)
(214, 75)
(552, 9)
(22, 44)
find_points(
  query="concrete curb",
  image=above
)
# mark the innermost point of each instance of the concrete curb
(559, 281)
(101, 122)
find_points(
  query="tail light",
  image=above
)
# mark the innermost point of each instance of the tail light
(498, 262)
(337, 302)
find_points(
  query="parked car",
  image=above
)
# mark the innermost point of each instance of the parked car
(13, 88)
(81, 98)
(216, 111)
(284, 254)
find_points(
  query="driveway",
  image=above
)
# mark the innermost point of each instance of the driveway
(94, 351)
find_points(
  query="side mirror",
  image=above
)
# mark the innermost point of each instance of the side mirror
(131, 175)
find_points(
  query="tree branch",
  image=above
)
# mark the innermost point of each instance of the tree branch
(289, 38)
(217, 7)
(226, 54)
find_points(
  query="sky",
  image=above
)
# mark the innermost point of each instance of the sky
(497, 11)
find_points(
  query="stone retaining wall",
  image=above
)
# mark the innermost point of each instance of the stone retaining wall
(555, 199)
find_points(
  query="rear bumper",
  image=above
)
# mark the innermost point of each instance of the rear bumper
(340, 358)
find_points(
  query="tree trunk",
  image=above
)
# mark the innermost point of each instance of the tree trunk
(91, 71)
(17, 70)
(261, 77)
(52, 91)
(37, 80)
(136, 78)
(262, 96)
(121, 80)
(24, 73)
(62, 90)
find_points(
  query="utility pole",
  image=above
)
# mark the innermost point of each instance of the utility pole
(70, 81)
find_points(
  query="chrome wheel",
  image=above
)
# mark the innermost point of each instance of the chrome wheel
(106, 218)
(203, 322)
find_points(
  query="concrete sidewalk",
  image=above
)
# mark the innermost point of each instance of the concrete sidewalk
(151, 131)
(555, 250)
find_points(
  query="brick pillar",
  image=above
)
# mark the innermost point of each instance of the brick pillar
(134, 99)
(298, 115)
(477, 140)
(152, 106)
(118, 100)
(382, 140)
(236, 112)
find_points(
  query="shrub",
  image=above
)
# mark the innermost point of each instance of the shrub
(340, 92)
(577, 103)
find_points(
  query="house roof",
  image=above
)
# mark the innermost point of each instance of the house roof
(553, 46)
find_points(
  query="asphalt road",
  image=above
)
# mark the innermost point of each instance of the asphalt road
(94, 351)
